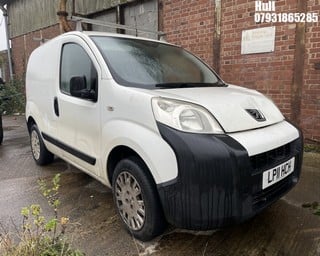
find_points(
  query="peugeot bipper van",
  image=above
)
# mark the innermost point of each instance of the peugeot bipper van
(174, 141)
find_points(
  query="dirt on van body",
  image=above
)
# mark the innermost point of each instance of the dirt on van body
(285, 228)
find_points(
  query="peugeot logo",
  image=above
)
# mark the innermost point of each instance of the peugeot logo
(256, 114)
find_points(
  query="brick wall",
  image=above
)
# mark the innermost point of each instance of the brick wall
(273, 73)
(270, 73)
(190, 24)
(24, 45)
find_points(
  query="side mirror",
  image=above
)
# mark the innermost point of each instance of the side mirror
(78, 88)
(77, 84)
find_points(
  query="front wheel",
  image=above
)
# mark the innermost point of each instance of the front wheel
(137, 200)
(39, 151)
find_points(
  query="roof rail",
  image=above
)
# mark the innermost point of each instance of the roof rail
(79, 20)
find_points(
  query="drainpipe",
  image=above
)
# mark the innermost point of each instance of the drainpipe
(217, 35)
(5, 15)
(63, 14)
(299, 64)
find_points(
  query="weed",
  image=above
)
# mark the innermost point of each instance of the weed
(315, 207)
(314, 148)
(38, 236)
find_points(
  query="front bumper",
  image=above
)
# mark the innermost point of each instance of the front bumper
(218, 184)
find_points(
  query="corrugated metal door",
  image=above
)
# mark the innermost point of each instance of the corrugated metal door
(143, 15)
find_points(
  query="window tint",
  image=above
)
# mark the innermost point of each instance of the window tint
(75, 62)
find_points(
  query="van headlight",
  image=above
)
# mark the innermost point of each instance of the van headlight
(185, 116)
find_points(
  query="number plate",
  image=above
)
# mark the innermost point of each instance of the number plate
(277, 173)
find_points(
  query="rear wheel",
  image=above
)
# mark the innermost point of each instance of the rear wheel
(39, 151)
(137, 200)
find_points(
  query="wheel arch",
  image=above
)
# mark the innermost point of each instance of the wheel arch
(30, 122)
(119, 153)
(154, 218)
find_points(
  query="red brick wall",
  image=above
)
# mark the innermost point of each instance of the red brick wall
(310, 111)
(190, 24)
(24, 45)
(269, 73)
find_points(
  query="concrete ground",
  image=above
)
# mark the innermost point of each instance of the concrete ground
(285, 228)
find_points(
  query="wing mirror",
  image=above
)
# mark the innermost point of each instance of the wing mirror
(78, 88)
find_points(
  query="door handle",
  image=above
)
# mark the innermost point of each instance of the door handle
(56, 106)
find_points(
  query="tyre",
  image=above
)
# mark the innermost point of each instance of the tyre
(39, 151)
(137, 200)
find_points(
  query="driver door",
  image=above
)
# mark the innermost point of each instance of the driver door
(78, 116)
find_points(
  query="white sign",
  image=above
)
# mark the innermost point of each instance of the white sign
(259, 40)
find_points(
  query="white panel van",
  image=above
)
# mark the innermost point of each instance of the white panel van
(174, 141)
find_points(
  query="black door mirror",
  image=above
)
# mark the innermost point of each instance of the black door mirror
(78, 88)
(77, 84)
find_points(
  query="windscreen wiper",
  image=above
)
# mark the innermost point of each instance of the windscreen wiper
(189, 85)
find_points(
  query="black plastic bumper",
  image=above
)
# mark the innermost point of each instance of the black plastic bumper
(218, 184)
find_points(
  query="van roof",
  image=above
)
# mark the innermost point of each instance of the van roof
(108, 34)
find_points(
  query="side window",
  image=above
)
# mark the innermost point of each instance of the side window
(76, 65)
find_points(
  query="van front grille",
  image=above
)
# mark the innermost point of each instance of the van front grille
(270, 158)
(265, 161)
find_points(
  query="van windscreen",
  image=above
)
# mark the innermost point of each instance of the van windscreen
(150, 64)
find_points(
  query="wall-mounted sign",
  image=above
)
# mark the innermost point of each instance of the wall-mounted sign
(259, 40)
